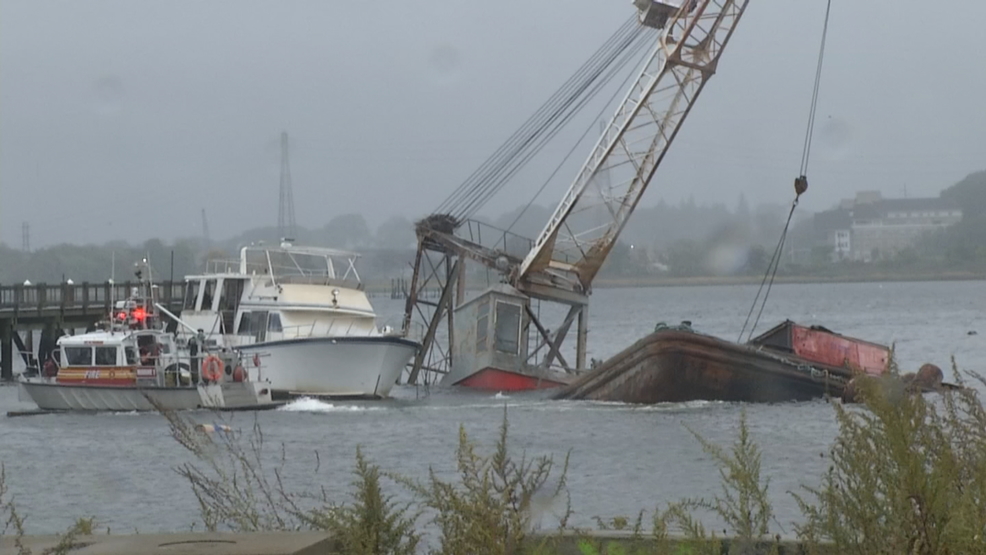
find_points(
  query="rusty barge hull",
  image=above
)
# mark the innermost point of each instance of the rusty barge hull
(671, 366)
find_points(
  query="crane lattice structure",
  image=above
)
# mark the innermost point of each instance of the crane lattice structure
(285, 209)
(560, 264)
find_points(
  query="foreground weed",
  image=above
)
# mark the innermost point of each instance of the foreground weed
(743, 504)
(373, 524)
(236, 492)
(491, 509)
(908, 475)
(12, 520)
(234, 489)
(67, 541)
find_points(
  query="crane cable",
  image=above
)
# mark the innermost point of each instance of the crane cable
(571, 151)
(550, 129)
(800, 186)
(473, 182)
(488, 176)
(531, 145)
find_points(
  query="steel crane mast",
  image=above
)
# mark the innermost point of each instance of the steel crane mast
(561, 263)
(587, 222)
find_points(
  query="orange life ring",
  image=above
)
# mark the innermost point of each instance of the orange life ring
(212, 368)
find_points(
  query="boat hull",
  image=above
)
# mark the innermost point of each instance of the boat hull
(677, 366)
(108, 398)
(495, 379)
(336, 367)
(51, 396)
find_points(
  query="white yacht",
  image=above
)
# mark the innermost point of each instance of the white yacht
(300, 315)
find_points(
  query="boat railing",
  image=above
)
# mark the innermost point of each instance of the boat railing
(494, 238)
(299, 332)
(319, 280)
(284, 274)
(224, 266)
(397, 326)
(335, 327)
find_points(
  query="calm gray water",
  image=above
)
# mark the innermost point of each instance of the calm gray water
(119, 467)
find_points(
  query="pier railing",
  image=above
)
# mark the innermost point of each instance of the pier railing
(77, 299)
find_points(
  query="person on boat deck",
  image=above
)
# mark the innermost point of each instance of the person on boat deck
(193, 353)
(50, 367)
(149, 353)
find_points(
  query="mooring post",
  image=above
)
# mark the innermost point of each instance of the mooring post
(6, 350)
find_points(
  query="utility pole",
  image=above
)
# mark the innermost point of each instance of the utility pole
(26, 237)
(285, 212)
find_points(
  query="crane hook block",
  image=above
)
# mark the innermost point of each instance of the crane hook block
(800, 185)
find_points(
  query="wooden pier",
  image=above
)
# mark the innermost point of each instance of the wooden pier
(55, 308)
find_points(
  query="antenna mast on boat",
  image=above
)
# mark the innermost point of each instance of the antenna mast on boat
(112, 279)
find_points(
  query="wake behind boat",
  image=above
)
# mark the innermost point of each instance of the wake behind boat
(301, 316)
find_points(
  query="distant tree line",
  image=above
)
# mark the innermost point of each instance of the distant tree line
(683, 240)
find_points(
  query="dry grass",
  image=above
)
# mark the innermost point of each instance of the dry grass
(237, 492)
(234, 488)
(491, 508)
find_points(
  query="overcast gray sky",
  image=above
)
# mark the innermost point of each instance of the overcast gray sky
(123, 119)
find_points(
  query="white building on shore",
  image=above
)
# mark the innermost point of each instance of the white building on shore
(870, 227)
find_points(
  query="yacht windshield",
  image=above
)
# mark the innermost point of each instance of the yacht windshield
(302, 265)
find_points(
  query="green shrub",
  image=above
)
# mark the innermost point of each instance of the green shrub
(372, 524)
(235, 491)
(490, 509)
(907, 475)
(743, 504)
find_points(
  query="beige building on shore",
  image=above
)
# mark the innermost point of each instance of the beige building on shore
(870, 227)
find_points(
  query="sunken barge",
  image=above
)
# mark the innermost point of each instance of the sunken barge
(787, 363)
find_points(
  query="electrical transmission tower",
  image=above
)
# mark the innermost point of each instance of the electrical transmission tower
(26, 237)
(205, 228)
(285, 213)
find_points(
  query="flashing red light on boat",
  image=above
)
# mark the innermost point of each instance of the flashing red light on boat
(121, 315)
(139, 314)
